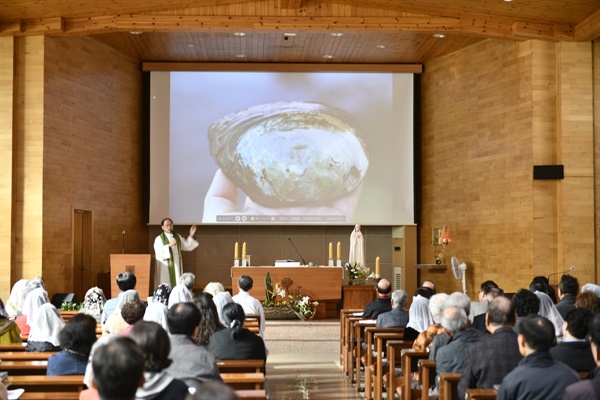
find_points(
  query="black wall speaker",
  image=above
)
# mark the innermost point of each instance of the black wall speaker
(548, 172)
(60, 298)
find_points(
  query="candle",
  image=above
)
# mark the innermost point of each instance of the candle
(377, 266)
(339, 250)
(244, 250)
(236, 252)
(330, 250)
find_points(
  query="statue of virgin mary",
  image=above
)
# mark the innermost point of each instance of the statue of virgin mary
(357, 252)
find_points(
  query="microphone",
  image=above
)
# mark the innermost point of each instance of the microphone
(564, 272)
(123, 243)
(297, 251)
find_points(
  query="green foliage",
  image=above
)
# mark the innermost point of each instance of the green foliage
(70, 306)
(269, 292)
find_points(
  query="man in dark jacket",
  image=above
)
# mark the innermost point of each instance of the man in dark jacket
(574, 350)
(589, 388)
(487, 362)
(567, 293)
(397, 317)
(382, 303)
(538, 376)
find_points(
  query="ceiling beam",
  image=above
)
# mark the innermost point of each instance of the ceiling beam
(290, 4)
(589, 28)
(179, 23)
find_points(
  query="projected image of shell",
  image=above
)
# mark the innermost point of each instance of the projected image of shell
(290, 153)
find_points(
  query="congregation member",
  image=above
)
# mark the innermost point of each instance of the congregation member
(526, 303)
(397, 317)
(548, 310)
(383, 302)
(9, 331)
(182, 293)
(235, 342)
(480, 307)
(545, 287)
(213, 390)
(33, 300)
(132, 313)
(568, 287)
(93, 303)
(191, 363)
(76, 340)
(220, 297)
(250, 304)
(490, 293)
(118, 369)
(449, 358)
(589, 388)
(47, 324)
(167, 248)
(125, 281)
(155, 344)
(538, 376)
(574, 350)
(429, 285)
(419, 318)
(15, 299)
(209, 318)
(115, 323)
(456, 299)
(91, 393)
(157, 307)
(587, 300)
(591, 287)
(487, 362)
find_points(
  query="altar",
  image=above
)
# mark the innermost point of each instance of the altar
(323, 284)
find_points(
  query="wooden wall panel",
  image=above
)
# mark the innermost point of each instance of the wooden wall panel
(7, 77)
(93, 154)
(596, 111)
(477, 163)
(28, 157)
(576, 152)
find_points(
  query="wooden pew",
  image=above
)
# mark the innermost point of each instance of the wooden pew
(25, 355)
(410, 364)
(50, 396)
(357, 341)
(481, 394)
(427, 375)
(376, 338)
(252, 323)
(348, 366)
(67, 315)
(43, 383)
(244, 380)
(35, 367)
(344, 315)
(449, 385)
(260, 394)
(13, 347)
(241, 366)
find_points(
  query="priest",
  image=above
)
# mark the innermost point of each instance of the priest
(168, 247)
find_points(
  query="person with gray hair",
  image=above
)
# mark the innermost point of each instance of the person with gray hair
(220, 297)
(449, 358)
(456, 299)
(182, 293)
(397, 317)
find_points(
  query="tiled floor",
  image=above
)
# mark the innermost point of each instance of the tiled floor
(303, 361)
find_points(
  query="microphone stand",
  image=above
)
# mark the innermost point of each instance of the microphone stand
(563, 272)
(123, 243)
(304, 261)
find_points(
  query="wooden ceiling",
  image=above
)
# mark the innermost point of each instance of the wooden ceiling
(300, 31)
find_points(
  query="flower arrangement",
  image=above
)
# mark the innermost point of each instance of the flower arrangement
(282, 295)
(357, 272)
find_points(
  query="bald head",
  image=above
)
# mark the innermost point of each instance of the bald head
(429, 284)
(500, 312)
(384, 287)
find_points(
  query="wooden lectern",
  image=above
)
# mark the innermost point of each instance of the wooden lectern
(138, 264)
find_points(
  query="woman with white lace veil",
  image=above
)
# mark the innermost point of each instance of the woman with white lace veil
(46, 326)
(34, 300)
(357, 252)
(548, 310)
(157, 308)
(15, 300)
(93, 303)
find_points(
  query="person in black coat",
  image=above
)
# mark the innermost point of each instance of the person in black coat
(235, 342)
(574, 350)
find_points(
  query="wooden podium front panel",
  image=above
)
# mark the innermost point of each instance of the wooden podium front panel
(319, 283)
(357, 296)
(138, 264)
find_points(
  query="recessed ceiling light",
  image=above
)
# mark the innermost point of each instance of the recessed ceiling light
(289, 34)
(337, 34)
(439, 35)
(136, 32)
(507, 1)
(381, 46)
(191, 45)
(328, 56)
(241, 34)
(241, 55)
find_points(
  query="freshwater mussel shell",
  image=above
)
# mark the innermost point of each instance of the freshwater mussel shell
(290, 153)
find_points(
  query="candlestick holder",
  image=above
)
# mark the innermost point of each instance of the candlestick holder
(339, 262)
(330, 264)
(236, 262)
(244, 262)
